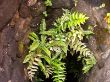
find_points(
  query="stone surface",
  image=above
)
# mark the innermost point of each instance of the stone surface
(53, 15)
(12, 33)
(24, 10)
(62, 4)
(7, 10)
(13, 29)
(10, 67)
(38, 8)
(100, 42)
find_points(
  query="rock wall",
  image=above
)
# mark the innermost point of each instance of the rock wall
(17, 20)
(11, 67)
(100, 42)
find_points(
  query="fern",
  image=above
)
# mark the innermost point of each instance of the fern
(73, 21)
(70, 20)
(49, 47)
(48, 2)
(85, 54)
(33, 58)
(46, 69)
(33, 66)
(58, 71)
(36, 51)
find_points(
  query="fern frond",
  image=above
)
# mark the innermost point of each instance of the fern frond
(58, 71)
(49, 32)
(33, 36)
(70, 20)
(46, 69)
(33, 67)
(48, 2)
(85, 54)
(43, 25)
(49, 70)
(52, 46)
(78, 18)
(78, 46)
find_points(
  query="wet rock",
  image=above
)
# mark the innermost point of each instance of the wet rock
(7, 10)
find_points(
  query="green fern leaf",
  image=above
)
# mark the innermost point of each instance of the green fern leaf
(33, 36)
(85, 53)
(34, 67)
(34, 46)
(43, 25)
(28, 57)
(46, 50)
(58, 71)
(52, 45)
(49, 33)
(48, 2)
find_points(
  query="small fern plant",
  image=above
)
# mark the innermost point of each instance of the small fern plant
(48, 2)
(49, 47)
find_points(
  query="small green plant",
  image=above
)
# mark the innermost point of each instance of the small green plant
(107, 19)
(48, 2)
(45, 14)
(49, 47)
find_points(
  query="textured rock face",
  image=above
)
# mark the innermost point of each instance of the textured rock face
(11, 67)
(101, 74)
(7, 10)
(11, 70)
(100, 42)
(62, 4)
(24, 10)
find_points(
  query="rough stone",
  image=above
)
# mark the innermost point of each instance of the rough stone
(24, 10)
(37, 9)
(10, 67)
(7, 10)
(62, 4)
(53, 15)
(100, 42)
